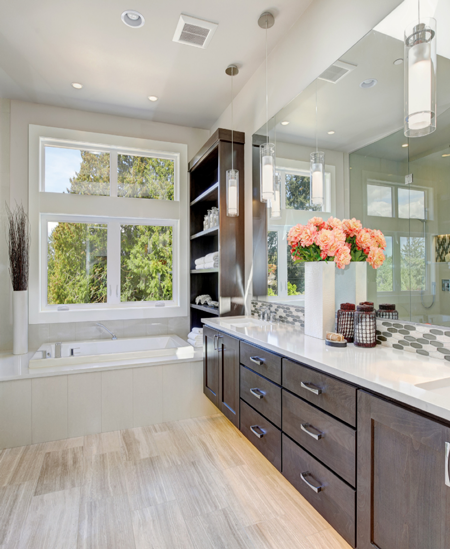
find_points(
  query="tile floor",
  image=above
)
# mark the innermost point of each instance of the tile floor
(194, 483)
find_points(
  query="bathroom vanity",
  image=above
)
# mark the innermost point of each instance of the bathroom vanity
(362, 434)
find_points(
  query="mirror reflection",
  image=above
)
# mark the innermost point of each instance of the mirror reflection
(354, 113)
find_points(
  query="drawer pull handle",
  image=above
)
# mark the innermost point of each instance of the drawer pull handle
(315, 489)
(257, 393)
(447, 464)
(260, 433)
(257, 360)
(305, 428)
(311, 387)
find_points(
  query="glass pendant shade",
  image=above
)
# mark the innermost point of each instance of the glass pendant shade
(232, 193)
(275, 203)
(267, 171)
(420, 78)
(317, 160)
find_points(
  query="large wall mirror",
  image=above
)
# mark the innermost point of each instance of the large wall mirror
(354, 112)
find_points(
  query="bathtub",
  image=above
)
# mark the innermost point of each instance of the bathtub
(98, 353)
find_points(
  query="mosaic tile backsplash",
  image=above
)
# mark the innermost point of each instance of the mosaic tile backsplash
(422, 339)
(287, 314)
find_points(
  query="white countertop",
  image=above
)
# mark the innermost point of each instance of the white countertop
(15, 367)
(389, 372)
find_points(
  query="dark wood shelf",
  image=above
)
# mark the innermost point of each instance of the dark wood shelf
(210, 194)
(197, 271)
(206, 232)
(211, 310)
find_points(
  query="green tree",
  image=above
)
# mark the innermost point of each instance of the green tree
(412, 263)
(272, 256)
(385, 276)
(77, 262)
(298, 193)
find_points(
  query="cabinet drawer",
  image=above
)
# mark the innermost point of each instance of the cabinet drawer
(334, 499)
(326, 438)
(335, 397)
(261, 361)
(262, 394)
(262, 434)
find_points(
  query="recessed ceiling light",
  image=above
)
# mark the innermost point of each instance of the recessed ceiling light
(398, 61)
(285, 123)
(445, 155)
(405, 145)
(152, 98)
(133, 19)
(77, 85)
(369, 83)
(331, 132)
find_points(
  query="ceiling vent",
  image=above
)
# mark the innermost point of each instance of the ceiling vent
(336, 72)
(194, 32)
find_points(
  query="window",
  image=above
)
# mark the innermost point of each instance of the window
(379, 201)
(296, 190)
(286, 279)
(111, 212)
(385, 273)
(272, 270)
(411, 204)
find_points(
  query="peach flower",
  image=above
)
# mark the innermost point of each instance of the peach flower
(352, 226)
(364, 240)
(376, 257)
(294, 235)
(317, 222)
(325, 240)
(342, 257)
(309, 236)
(334, 223)
(339, 240)
(378, 238)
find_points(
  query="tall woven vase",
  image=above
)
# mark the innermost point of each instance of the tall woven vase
(351, 283)
(319, 298)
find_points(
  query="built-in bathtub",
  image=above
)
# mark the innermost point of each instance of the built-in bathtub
(97, 353)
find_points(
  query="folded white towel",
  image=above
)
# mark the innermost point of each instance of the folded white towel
(200, 261)
(195, 343)
(211, 257)
(197, 331)
(195, 337)
(211, 265)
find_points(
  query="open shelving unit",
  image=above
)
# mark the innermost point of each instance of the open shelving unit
(207, 189)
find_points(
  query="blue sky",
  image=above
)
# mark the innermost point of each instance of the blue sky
(60, 166)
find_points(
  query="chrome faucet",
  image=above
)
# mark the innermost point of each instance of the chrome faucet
(113, 336)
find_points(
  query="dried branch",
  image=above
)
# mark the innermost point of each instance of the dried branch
(18, 238)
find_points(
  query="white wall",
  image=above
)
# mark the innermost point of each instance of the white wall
(15, 117)
(323, 33)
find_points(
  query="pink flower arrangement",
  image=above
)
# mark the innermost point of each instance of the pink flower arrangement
(338, 241)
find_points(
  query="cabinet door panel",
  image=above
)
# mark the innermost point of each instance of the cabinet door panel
(403, 500)
(210, 365)
(229, 377)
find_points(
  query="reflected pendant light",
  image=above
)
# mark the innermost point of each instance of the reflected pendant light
(317, 171)
(232, 176)
(266, 21)
(420, 77)
(275, 203)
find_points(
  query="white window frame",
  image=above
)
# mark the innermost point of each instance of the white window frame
(111, 210)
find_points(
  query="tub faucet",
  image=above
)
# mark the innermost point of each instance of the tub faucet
(113, 336)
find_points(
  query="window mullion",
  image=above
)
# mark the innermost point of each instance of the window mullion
(113, 262)
(113, 162)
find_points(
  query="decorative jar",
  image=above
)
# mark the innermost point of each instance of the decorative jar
(387, 311)
(365, 325)
(345, 321)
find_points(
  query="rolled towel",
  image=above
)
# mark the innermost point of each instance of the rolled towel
(211, 265)
(195, 336)
(200, 261)
(211, 257)
(195, 343)
(197, 331)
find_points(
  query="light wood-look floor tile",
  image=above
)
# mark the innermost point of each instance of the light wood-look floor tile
(52, 521)
(191, 484)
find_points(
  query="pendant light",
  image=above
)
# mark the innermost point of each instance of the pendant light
(420, 77)
(275, 203)
(232, 176)
(266, 21)
(317, 171)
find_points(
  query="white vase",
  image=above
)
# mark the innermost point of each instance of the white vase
(20, 322)
(351, 284)
(319, 298)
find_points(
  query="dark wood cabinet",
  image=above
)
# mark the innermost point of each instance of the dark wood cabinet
(221, 372)
(403, 499)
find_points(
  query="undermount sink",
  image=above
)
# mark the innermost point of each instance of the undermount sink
(440, 386)
(244, 323)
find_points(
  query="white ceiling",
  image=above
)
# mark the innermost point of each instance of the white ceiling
(47, 44)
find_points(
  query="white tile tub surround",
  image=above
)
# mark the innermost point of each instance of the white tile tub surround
(56, 407)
